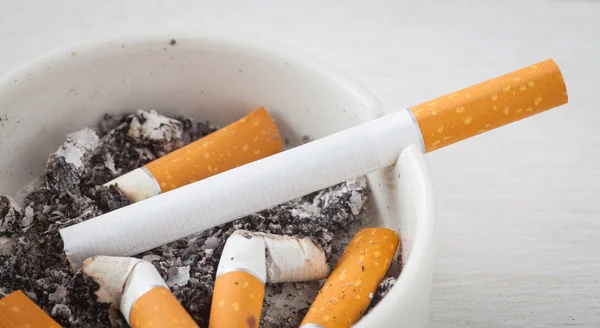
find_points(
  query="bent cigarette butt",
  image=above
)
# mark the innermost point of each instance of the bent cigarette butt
(250, 259)
(348, 291)
(251, 138)
(240, 283)
(274, 258)
(490, 104)
(138, 290)
(17, 311)
(237, 300)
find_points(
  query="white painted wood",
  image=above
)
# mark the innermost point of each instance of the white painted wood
(518, 208)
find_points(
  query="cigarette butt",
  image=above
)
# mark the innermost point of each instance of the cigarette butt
(18, 311)
(137, 289)
(348, 291)
(490, 104)
(251, 258)
(237, 301)
(147, 301)
(240, 283)
(273, 258)
(249, 139)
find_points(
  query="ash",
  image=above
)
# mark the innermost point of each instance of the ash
(71, 191)
(384, 287)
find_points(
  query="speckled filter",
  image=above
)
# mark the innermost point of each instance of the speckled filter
(158, 308)
(348, 291)
(18, 311)
(249, 139)
(490, 104)
(237, 301)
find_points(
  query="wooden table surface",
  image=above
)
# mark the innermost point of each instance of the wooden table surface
(518, 207)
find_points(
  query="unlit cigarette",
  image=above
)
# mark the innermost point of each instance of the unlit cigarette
(18, 311)
(250, 259)
(138, 290)
(251, 138)
(325, 162)
(348, 291)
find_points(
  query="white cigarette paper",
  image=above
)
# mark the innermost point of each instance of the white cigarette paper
(244, 190)
(243, 253)
(110, 273)
(273, 258)
(292, 259)
(122, 280)
(143, 277)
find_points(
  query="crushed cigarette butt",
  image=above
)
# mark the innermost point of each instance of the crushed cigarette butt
(286, 258)
(250, 259)
(138, 290)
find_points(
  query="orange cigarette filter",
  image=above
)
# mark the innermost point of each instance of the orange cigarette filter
(348, 291)
(159, 308)
(237, 301)
(246, 140)
(491, 104)
(18, 311)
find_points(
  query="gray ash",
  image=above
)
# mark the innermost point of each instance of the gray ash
(71, 191)
(384, 287)
(10, 216)
(110, 198)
